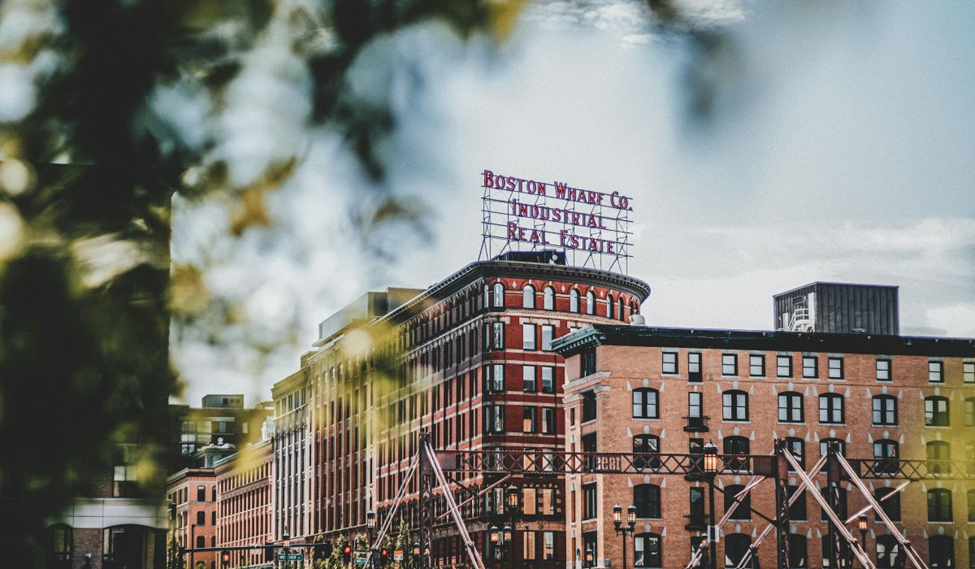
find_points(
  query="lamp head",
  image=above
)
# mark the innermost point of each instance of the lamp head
(495, 534)
(710, 458)
(371, 519)
(862, 523)
(617, 515)
(631, 516)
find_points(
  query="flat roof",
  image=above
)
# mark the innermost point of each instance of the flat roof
(623, 335)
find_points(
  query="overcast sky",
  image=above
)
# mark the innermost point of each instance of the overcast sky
(841, 148)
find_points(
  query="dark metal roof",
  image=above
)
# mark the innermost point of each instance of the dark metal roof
(517, 269)
(622, 335)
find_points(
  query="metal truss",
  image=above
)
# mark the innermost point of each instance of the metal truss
(556, 461)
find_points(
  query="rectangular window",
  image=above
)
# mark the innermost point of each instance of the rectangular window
(783, 366)
(669, 362)
(528, 336)
(588, 360)
(494, 378)
(528, 378)
(968, 372)
(589, 501)
(694, 404)
(729, 364)
(548, 379)
(884, 410)
(494, 419)
(696, 509)
(810, 367)
(530, 422)
(548, 420)
(756, 365)
(528, 500)
(528, 548)
(694, 367)
(588, 406)
(645, 404)
(548, 334)
(835, 368)
(883, 370)
(936, 372)
(549, 549)
(498, 336)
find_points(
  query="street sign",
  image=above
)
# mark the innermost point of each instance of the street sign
(361, 557)
(289, 557)
(397, 555)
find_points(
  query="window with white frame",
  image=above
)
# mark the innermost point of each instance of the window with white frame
(528, 378)
(756, 365)
(548, 334)
(810, 367)
(783, 366)
(835, 368)
(548, 301)
(548, 379)
(528, 336)
(936, 372)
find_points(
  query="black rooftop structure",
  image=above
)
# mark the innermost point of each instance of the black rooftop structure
(843, 308)
(620, 335)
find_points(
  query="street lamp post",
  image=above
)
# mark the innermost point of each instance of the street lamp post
(371, 527)
(862, 526)
(495, 536)
(620, 528)
(192, 546)
(286, 546)
(710, 470)
(512, 502)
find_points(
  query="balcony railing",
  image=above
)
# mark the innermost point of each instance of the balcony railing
(697, 424)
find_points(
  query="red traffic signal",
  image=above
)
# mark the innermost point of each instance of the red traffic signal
(347, 549)
(384, 553)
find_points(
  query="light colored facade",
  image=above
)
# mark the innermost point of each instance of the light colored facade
(649, 390)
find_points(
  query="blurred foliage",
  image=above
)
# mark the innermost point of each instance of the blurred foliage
(87, 293)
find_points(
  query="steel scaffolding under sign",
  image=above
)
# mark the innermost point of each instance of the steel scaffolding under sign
(523, 214)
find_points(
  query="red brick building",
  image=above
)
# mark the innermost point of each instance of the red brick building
(633, 389)
(244, 503)
(193, 491)
(468, 360)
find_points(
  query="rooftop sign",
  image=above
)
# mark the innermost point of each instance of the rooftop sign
(521, 214)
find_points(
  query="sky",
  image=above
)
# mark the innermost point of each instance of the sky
(838, 148)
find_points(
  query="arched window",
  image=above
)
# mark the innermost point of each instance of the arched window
(798, 449)
(548, 301)
(590, 302)
(884, 410)
(735, 547)
(824, 448)
(744, 510)
(939, 457)
(841, 505)
(621, 313)
(498, 295)
(487, 297)
(798, 556)
(648, 550)
(941, 550)
(790, 407)
(735, 446)
(645, 404)
(734, 405)
(939, 505)
(646, 450)
(573, 300)
(646, 498)
(528, 297)
(887, 550)
(936, 412)
(831, 409)
(609, 305)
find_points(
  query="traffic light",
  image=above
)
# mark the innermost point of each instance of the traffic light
(323, 550)
(383, 556)
(225, 557)
(347, 554)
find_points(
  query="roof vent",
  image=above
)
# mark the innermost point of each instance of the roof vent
(637, 320)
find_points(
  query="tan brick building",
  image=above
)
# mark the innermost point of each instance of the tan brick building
(658, 390)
